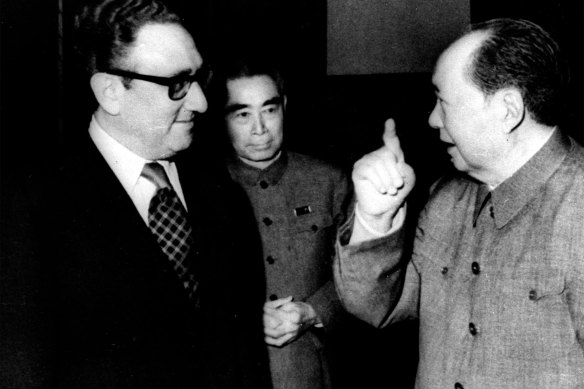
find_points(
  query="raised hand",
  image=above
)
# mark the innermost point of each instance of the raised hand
(382, 181)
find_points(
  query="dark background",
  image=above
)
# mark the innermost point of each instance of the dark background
(45, 106)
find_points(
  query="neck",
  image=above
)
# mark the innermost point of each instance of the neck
(523, 143)
(113, 128)
(261, 164)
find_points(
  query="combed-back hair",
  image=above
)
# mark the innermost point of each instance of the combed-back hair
(520, 54)
(242, 66)
(104, 30)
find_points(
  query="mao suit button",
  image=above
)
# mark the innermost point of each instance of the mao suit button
(263, 184)
(314, 228)
(273, 297)
(270, 260)
(492, 212)
(267, 221)
(473, 329)
(533, 294)
(476, 268)
(458, 385)
(444, 270)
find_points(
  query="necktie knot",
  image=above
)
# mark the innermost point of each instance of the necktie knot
(154, 172)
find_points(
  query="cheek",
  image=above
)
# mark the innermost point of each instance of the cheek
(237, 134)
(276, 126)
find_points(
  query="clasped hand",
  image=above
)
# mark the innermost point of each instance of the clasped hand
(286, 320)
(382, 181)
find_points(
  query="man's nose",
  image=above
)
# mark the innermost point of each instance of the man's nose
(195, 99)
(259, 125)
(434, 119)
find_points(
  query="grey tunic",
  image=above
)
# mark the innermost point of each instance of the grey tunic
(298, 202)
(496, 278)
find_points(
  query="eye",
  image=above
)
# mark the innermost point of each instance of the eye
(272, 109)
(241, 117)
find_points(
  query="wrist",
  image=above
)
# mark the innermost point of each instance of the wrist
(376, 225)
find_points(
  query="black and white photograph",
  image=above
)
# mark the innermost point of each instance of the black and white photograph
(255, 194)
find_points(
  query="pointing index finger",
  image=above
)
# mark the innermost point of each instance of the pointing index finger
(389, 134)
(391, 140)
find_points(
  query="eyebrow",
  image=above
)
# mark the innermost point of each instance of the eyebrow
(236, 107)
(183, 73)
(189, 72)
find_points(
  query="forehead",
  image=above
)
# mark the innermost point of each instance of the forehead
(451, 66)
(251, 90)
(164, 49)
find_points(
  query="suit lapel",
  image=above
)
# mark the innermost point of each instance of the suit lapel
(111, 215)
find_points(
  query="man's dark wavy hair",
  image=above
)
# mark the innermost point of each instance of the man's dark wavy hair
(104, 30)
(520, 54)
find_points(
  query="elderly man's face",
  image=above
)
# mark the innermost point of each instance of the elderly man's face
(154, 126)
(255, 119)
(463, 114)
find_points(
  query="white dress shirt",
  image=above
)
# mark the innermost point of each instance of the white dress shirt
(128, 166)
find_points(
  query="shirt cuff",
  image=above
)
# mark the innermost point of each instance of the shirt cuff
(397, 222)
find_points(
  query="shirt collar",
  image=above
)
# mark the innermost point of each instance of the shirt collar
(509, 197)
(252, 176)
(126, 165)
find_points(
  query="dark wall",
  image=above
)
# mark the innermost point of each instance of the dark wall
(29, 87)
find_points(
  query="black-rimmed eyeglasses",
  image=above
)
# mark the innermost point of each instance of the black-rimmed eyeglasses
(178, 86)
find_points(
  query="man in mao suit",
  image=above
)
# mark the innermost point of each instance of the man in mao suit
(114, 305)
(496, 276)
(298, 201)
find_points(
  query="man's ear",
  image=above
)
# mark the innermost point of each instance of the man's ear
(284, 102)
(108, 90)
(513, 108)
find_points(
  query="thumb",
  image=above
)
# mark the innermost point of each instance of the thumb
(391, 140)
(275, 304)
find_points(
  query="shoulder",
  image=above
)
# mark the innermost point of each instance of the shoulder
(565, 187)
(574, 162)
(451, 188)
(309, 167)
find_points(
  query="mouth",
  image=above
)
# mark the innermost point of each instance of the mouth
(261, 146)
(447, 144)
(189, 118)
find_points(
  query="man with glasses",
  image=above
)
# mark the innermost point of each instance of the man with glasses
(151, 274)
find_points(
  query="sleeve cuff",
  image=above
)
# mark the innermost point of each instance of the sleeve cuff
(396, 224)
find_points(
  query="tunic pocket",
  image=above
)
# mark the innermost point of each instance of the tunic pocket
(313, 222)
(534, 315)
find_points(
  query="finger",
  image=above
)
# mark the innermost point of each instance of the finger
(379, 168)
(393, 170)
(271, 321)
(274, 332)
(388, 172)
(290, 319)
(277, 303)
(391, 140)
(279, 342)
(389, 133)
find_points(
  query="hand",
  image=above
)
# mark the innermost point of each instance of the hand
(271, 319)
(286, 320)
(382, 181)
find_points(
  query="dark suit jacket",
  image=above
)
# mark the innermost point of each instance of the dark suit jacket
(106, 308)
